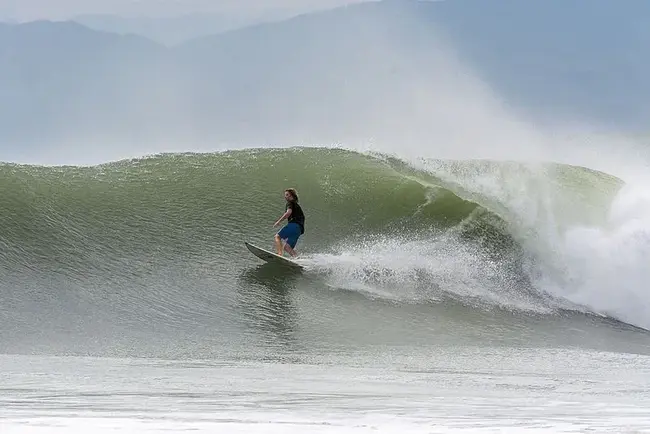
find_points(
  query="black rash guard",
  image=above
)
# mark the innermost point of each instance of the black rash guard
(297, 216)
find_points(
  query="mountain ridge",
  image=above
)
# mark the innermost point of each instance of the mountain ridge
(327, 75)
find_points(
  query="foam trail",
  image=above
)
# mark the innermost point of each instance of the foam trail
(430, 268)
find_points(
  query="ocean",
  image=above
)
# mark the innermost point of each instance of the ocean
(436, 296)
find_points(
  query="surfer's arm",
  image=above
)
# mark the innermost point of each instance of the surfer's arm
(284, 216)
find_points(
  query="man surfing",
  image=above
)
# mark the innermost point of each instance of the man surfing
(295, 226)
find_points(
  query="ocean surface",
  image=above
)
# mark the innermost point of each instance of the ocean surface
(437, 296)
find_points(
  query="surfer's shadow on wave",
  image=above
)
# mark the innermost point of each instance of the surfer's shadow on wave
(264, 295)
(271, 276)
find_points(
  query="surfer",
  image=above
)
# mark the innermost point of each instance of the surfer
(295, 226)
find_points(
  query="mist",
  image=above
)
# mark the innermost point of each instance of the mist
(382, 76)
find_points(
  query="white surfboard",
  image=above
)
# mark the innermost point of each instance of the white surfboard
(271, 257)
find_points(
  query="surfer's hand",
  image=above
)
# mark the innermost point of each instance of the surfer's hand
(275, 225)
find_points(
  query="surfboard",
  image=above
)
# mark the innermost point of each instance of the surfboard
(271, 257)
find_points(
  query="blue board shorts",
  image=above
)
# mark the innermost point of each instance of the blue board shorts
(290, 233)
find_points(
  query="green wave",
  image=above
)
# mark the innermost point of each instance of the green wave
(197, 207)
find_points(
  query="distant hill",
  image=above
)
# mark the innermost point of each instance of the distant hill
(359, 71)
(572, 56)
(174, 30)
(58, 79)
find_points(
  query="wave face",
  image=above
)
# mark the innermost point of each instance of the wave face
(155, 244)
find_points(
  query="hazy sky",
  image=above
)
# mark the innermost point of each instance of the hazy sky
(61, 9)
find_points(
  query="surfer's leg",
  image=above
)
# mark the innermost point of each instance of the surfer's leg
(278, 244)
(289, 234)
(281, 236)
(290, 250)
(293, 233)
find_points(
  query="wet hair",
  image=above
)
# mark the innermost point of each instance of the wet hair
(293, 193)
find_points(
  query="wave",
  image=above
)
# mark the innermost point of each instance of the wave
(536, 237)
